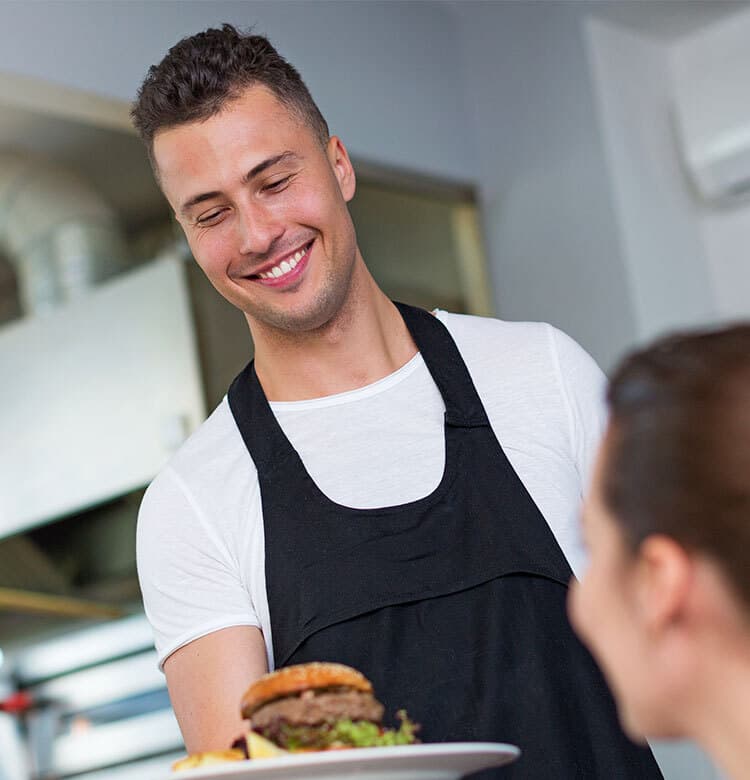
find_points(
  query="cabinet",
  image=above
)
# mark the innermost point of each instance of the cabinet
(96, 395)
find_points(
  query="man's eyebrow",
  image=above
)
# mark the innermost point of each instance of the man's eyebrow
(259, 168)
(267, 163)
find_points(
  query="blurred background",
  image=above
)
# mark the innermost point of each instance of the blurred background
(582, 163)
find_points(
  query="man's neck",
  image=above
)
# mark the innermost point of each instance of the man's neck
(366, 341)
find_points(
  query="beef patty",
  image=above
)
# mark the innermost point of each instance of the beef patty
(319, 706)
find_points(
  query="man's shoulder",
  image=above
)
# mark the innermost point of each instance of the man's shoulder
(531, 364)
(210, 478)
(501, 342)
(472, 325)
(214, 447)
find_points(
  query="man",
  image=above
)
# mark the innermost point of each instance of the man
(350, 500)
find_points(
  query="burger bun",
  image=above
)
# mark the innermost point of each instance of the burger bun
(291, 680)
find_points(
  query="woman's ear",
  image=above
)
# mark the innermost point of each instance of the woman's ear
(665, 572)
(342, 167)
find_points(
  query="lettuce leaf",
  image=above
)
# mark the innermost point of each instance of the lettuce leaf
(342, 733)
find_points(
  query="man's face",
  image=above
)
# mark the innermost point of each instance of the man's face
(263, 207)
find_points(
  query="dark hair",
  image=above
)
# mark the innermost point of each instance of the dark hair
(202, 72)
(678, 455)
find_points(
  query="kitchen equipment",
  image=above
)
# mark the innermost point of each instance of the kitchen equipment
(99, 705)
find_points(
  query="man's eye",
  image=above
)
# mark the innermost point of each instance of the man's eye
(209, 218)
(276, 186)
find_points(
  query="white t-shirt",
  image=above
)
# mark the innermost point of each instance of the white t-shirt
(200, 526)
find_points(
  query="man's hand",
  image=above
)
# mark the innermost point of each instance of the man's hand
(206, 679)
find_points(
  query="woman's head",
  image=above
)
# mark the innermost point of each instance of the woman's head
(667, 521)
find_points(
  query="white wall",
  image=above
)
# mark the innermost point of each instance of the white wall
(383, 73)
(709, 59)
(547, 201)
(660, 235)
(686, 260)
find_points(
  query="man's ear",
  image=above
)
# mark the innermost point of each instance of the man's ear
(664, 578)
(338, 157)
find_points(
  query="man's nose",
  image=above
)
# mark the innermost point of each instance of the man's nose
(257, 229)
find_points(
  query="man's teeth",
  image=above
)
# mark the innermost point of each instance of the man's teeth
(285, 266)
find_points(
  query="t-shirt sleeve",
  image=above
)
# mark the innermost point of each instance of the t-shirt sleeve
(583, 387)
(189, 580)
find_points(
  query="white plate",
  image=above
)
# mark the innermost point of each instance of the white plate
(443, 761)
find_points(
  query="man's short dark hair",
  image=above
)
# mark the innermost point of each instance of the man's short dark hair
(201, 73)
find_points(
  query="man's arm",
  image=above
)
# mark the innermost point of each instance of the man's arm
(206, 679)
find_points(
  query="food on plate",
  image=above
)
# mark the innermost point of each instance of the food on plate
(260, 747)
(319, 706)
(208, 759)
(308, 707)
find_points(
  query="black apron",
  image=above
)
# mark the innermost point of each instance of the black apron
(453, 605)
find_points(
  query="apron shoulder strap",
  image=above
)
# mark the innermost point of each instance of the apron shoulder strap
(261, 432)
(463, 407)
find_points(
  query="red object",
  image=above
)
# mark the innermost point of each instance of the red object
(16, 702)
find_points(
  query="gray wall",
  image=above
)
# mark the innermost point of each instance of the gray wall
(662, 245)
(546, 194)
(379, 70)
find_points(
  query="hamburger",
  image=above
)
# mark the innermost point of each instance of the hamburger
(319, 706)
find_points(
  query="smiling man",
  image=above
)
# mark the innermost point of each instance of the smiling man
(383, 487)
(257, 201)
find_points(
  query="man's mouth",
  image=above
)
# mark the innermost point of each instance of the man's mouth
(287, 270)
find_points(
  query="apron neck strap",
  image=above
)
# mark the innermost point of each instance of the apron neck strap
(261, 432)
(463, 408)
(269, 445)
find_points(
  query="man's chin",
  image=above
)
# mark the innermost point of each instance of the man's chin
(301, 320)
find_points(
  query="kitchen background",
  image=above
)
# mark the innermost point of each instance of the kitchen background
(583, 163)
